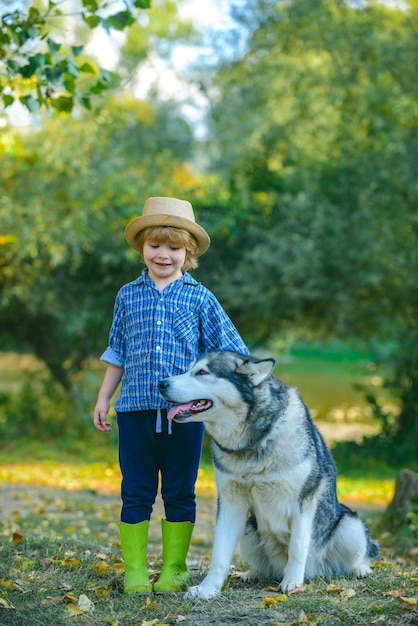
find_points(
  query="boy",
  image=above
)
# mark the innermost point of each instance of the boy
(162, 322)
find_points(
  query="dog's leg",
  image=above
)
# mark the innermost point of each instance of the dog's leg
(300, 538)
(230, 525)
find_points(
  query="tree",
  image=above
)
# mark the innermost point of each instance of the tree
(321, 167)
(41, 69)
(62, 250)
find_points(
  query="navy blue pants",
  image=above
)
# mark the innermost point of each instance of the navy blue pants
(145, 455)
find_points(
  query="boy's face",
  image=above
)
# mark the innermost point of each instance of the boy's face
(164, 260)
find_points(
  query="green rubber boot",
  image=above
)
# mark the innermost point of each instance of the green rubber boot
(134, 543)
(176, 541)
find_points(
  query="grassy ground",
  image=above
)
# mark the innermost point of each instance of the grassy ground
(76, 582)
(60, 559)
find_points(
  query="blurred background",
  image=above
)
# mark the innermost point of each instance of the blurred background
(292, 127)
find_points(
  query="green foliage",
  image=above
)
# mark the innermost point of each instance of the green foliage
(41, 71)
(63, 255)
(321, 168)
(42, 410)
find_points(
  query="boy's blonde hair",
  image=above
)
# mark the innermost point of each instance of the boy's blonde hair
(175, 236)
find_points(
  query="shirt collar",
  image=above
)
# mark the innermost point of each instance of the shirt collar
(144, 278)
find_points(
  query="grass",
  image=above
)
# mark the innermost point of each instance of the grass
(60, 558)
(59, 582)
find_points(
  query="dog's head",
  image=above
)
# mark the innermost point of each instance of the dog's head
(219, 381)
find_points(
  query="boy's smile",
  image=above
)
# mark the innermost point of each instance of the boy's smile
(164, 261)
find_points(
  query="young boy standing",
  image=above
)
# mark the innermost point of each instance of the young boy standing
(162, 322)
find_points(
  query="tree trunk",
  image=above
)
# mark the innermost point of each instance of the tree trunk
(406, 490)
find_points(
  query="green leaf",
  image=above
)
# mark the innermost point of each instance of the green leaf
(85, 102)
(142, 4)
(119, 21)
(63, 103)
(33, 13)
(7, 100)
(69, 83)
(87, 68)
(77, 50)
(68, 66)
(53, 74)
(90, 5)
(30, 103)
(12, 65)
(33, 32)
(92, 21)
(53, 45)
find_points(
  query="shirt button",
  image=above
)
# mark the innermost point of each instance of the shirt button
(158, 348)
(159, 323)
(157, 373)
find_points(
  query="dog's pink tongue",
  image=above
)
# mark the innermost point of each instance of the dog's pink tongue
(177, 409)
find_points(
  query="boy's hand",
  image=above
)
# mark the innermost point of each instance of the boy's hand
(100, 416)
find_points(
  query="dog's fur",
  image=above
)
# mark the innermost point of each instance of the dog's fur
(275, 476)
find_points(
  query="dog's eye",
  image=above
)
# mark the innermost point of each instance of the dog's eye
(202, 373)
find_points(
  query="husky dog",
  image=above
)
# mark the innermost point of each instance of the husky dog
(275, 477)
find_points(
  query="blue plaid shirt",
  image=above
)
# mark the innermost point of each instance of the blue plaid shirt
(156, 335)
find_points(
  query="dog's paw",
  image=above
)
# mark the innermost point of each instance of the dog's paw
(362, 571)
(288, 584)
(250, 575)
(198, 591)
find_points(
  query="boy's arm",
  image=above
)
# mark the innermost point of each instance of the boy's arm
(110, 383)
(218, 330)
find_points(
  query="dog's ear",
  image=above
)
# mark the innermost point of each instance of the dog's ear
(257, 370)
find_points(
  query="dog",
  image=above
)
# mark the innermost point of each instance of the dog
(275, 477)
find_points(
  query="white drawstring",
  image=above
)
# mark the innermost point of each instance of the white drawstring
(158, 425)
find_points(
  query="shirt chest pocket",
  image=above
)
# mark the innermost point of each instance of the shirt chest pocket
(186, 325)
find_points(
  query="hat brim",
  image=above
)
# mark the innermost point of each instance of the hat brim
(140, 223)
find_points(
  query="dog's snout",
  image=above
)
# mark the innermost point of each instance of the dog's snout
(163, 384)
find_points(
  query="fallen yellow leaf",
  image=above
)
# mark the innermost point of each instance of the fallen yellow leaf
(17, 538)
(387, 564)
(408, 601)
(103, 592)
(70, 596)
(24, 562)
(346, 594)
(100, 568)
(151, 605)
(85, 604)
(117, 567)
(73, 610)
(296, 590)
(72, 564)
(334, 589)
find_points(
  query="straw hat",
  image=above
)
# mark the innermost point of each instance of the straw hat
(167, 212)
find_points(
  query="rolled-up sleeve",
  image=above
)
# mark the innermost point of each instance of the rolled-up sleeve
(112, 357)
